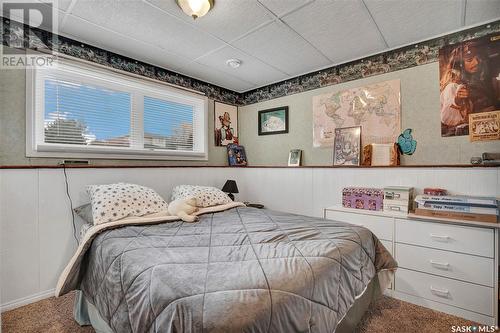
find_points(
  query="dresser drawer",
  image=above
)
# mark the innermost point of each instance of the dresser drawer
(454, 265)
(452, 292)
(381, 226)
(469, 240)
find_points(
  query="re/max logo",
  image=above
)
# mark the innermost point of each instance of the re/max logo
(474, 329)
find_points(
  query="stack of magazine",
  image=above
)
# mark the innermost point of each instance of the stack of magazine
(481, 209)
(491, 159)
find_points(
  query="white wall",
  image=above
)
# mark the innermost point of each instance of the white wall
(35, 220)
(36, 238)
(308, 190)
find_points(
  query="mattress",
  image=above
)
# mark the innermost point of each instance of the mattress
(237, 270)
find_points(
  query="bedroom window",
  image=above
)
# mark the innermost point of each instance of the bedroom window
(79, 111)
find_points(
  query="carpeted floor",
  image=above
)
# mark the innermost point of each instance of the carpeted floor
(386, 315)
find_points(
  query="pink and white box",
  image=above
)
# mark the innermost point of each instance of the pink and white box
(363, 198)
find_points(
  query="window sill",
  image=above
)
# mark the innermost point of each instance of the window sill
(128, 155)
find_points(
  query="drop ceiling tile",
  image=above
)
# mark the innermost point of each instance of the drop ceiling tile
(281, 7)
(36, 20)
(144, 22)
(61, 5)
(478, 11)
(406, 21)
(214, 76)
(157, 32)
(342, 29)
(150, 54)
(92, 34)
(279, 46)
(251, 69)
(227, 20)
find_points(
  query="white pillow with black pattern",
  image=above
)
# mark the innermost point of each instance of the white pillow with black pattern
(114, 202)
(83, 230)
(206, 196)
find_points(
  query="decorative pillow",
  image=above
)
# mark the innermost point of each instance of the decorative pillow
(205, 196)
(83, 231)
(85, 212)
(116, 201)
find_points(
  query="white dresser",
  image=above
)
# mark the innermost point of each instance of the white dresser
(449, 266)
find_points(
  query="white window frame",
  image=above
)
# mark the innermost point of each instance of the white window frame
(138, 88)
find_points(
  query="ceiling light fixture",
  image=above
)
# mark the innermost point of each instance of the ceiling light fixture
(233, 63)
(195, 8)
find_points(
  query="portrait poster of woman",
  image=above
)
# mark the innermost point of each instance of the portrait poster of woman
(469, 74)
(225, 124)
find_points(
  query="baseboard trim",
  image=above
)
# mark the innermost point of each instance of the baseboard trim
(26, 300)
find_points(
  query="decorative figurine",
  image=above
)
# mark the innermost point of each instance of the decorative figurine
(406, 143)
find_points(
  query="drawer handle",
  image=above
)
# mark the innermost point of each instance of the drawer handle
(440, 292)
(440, 238)
(395, 208)
(443, 265)
(392, 195)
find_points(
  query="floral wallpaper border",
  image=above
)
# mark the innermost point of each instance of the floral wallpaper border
(390, 61)
(13, 35)
(394, 60)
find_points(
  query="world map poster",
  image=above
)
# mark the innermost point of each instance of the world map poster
(376, 108)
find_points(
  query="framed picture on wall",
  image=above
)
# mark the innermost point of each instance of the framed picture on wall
(468, 82)
(273, 121)
(236, 155)
(294, 158)
(347, 146)
(225, 124)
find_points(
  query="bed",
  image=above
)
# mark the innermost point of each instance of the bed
(237, 269)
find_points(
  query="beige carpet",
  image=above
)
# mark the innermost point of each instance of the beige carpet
(386, 315)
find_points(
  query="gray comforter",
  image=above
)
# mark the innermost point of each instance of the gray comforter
(241, 270)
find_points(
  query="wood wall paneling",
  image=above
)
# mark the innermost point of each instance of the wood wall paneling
(36, 238)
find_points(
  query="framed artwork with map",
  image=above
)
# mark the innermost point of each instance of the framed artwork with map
(273, 121)
(376, 107)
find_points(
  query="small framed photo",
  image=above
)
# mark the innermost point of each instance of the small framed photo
(236, 155)
(294, 158)
(347, 146)
(273, 121)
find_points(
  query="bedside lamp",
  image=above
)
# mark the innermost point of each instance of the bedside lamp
(230, 187)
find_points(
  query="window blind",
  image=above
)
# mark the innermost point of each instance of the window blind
(85, 114)
(82, 111)
(167, 125)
